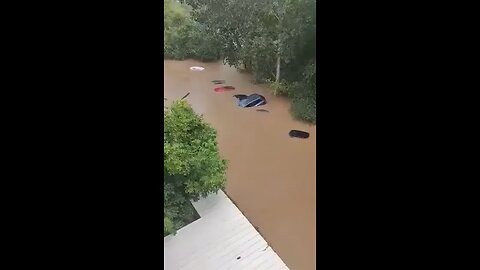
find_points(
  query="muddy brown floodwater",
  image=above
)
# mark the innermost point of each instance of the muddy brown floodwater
(271, 177)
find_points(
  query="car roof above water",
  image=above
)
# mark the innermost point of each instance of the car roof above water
(255, 96)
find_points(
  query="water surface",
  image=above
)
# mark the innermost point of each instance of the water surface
(271, 177)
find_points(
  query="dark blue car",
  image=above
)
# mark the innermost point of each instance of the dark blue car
(253, 100)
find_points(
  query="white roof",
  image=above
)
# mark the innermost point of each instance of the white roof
(222, 238)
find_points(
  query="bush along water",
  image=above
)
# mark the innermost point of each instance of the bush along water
(193, 167)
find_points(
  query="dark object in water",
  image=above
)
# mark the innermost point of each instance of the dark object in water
(299, 134)
(218, 81)
(185, 96)
(240, 97)
(253, 100)
(224, 88)
(262, 110)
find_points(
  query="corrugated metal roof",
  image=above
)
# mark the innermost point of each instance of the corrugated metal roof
(222, 238)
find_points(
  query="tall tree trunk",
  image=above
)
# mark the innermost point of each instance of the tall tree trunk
(277, 76)
(279, 49)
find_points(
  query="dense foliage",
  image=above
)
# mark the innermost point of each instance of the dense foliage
(192, 165)
(275, 40)
(186, 38)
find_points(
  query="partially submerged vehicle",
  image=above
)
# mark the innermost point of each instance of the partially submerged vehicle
(253, 100)
(298, 134)
(223, 89)
(197, 68)
(218, 81)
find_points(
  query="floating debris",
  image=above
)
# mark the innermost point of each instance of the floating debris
(262, 110)
(299, 134)
(185, 96)
(195, 68)
(218, 81)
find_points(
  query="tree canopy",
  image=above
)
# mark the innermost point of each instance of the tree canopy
(274, 40)
(193, 167)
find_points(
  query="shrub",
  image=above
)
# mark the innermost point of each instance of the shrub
(281, 88)
(193, 166)
(304, 105)
(304, 100)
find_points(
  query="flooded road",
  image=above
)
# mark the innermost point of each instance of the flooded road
(271, 177)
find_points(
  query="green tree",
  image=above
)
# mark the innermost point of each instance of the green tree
(193, 166)
(186, 38)
(262, 36)
(275, 40)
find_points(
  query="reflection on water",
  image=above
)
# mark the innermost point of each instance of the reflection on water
(271, 177)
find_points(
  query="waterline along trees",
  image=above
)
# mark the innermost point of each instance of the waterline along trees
(275, 40)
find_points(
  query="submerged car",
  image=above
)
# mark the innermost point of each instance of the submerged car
(253, 100)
